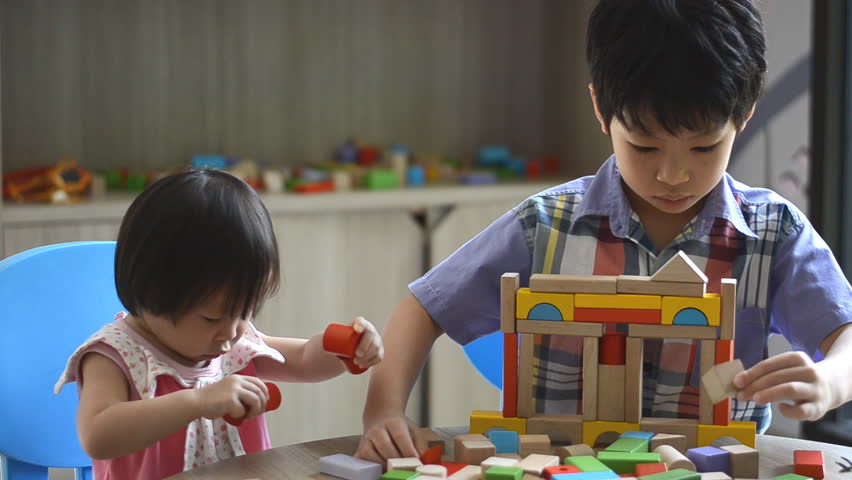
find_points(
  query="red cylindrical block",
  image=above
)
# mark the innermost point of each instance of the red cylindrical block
(341, 340)
(612, 348)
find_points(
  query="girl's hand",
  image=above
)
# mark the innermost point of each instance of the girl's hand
(370, 349)
(237, 396)
(805, 388)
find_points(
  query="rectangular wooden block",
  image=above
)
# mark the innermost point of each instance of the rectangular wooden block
(473, 437)
(678, 442)
(617, 315)
(526, 301)
(535, 463)
(708, 391)
(673, 331)
(590, 378)
(633, 380)
(510, 374)
(708, 305)
(475, 452)
(509, 284)
(561, 328)
(645, 286)
(722, 408)
(625, 301)
(611, 404)
(674, 426)
(550, 283)
(728, 308)
(560, 428)
(525, 375)
(744, 461)
(470, 472)
(530, 443)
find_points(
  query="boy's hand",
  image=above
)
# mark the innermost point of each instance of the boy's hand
(237, 396)
(370, 349)
(390, 437)
(804, 387)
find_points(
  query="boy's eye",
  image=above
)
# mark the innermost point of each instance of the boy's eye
(641, 149)
(210, 319)
(704, 149)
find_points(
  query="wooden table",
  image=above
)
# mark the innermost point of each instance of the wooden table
(300, 461)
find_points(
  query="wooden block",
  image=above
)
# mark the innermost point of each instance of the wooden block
(482, 421)
(438, 471)
(536, 463)
(498, 462)
(410, 464)
(612, 348)
(611, 381)
(618, 301)
(510, 374)
(468, 437)
(525, 375)
(710, 389)
(633, 379)
(398, 475)
(526, 301)
(509, 284)
(673, 426)
(715, 476)
(708, 305)
(561, 328)
(590, 378)
(672, 331)
(586, 463)
(560, 428)
(549, 472)
(809, 463)
(592, 431)
(676, 441)
(744, 461)
(470, 472)
(645, 286)
(350, 468)
(645, 469)
(745, 432)
(680, 268)
(550, 283)
(511, 456)
(628, 444)
(673, 458)
(676, 474)
(617, 315)
(722, 409)
(576, 450)
(453, 467)
(717, 381)
(728, 309)
(625, 462)
(474, 452)
(710, 459)
(533, 444)
(432, 438)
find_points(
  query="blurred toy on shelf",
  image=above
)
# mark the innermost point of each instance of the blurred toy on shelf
(209, 161)
(64, 183)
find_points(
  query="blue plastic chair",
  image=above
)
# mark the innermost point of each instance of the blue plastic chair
(51, 299)
(486, 356)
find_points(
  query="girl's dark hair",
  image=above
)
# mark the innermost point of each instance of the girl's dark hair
(692, 64)
(193, 235)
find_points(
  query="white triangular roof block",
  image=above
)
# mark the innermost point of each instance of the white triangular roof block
(680, 269)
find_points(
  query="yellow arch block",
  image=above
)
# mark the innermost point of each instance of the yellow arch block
(526, 300)
(593, 430)
(744, 432)
(709, 305)
(483, 420)
(620, 300)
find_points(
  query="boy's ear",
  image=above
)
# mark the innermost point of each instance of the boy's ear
(748, 117)
(604, 126)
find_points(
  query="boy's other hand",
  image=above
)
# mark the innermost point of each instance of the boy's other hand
(370, 349)
(390, 437)
(804, 387)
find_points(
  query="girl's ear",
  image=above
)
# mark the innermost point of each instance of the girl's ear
(604, 126)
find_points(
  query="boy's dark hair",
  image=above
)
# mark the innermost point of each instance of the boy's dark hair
(192, 235)
(692, 64)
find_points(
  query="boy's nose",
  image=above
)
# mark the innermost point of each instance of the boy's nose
(672, 174)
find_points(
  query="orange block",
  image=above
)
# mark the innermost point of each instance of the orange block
(510, 374)
(432, 456)
(809, 463)
(643, 469)
(616, 315)
(724, 351)
(612, 348)
(722, 410)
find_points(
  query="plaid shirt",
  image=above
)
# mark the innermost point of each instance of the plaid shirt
(587, 227)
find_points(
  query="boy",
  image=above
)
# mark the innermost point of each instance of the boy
(673, 83)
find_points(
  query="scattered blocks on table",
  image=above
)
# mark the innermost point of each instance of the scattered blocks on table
(629, 444)
(560, 428)
(483, 420)
(576, 450)
(586, 463)
(470, 472)
(634, 434)
(432, 455)
(710, 459)
(513, 456)
(453, 467)
(530, 444)
(536, 463)
(473, 452)
(744, 432)
(503, 473)
(602, 475)
(506, 441)
(809, 463)
(792, 476)
(593, 430)
(644, 469)
(472, 437)
(349, 468)
(745, 461)
(555, 470)
(408, 463)
(431, 470)
(716, 476)
(674, 459)
(676, 441)
(498, 462)
(399, 475)
(673, 426)
(677, 474)
(624, 462)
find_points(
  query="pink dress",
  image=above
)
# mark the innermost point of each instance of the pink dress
(151, 373)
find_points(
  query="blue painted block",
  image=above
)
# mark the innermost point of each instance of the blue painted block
(710, 459)
(506, 441)
(634, 434)
(604, 475)
(350, 468)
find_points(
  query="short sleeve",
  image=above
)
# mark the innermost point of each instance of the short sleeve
(462, 293)
(810, 296)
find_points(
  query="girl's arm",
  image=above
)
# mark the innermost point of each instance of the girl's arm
(106, 417)
(307, 361)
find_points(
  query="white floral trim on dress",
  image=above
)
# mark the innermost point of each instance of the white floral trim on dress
(207, 441)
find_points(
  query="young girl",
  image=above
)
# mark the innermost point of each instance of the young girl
(195, 259)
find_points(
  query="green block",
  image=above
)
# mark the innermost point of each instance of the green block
(625, 462)
(586, 463)
(629, 444)
(504, 473)
(381, 179)
(399, 475)
(792, 476)
(676, 474)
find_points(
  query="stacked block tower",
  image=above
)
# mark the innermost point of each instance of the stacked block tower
(673, 303)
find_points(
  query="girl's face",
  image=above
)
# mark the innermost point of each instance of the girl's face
(196, 337)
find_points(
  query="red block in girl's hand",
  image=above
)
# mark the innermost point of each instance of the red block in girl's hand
(272, 404)
(341, 340)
